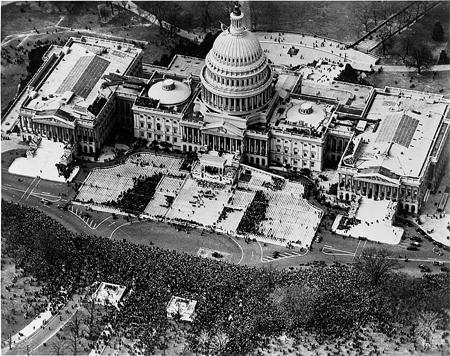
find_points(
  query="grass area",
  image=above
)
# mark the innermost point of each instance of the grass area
(169, 237)
(423, 30)
(423, 82)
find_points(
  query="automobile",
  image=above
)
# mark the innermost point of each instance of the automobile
(63, 206)
(420, 231)
(438, 252)
(424, 269)
(276, 254)
(45, 201)
(445, 269)
(412, 248)
(430, 231)
(438, 263)
(318, 238)
(85, 215)
(416, 238)
(407, 223)
(415, 243)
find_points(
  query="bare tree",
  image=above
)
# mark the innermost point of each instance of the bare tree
(203, 340)
(157, 8)
(76, 329)
(363, 14)
(403, 45)
(427, 323)
(58, 346)
(385, 35)
(173, 16)
(219, 342)
(376, 264)
(205, 10)
(420, 57)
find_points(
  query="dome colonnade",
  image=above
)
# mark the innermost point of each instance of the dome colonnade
(236, 77)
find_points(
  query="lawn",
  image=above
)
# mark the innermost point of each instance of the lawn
(423, 31)
(423, 82)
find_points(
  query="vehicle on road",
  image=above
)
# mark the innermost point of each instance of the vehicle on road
(420, 231)
(45, 201)
(424, 269)
(63, 206)
(438, 263)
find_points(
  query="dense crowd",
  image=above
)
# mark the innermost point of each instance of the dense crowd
(250, 305)
(135, 199)
(255, 213)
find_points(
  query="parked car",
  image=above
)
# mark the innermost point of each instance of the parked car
(63, 206)
(445, 269)
(437, 252)
(430, 231)
(45, 201)
(424, 269)
(416, 238)
(412, 248)
(318, 238)
(415, 243)
(420, 231)
(438, 263)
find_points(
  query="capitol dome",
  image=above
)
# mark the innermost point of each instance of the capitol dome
(236, 77)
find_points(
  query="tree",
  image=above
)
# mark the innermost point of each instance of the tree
(219, 342)
(443, 58)
(157, 8)
(385, 37)
(363, 14)
(104, 12)
(205, 10)
(203, 340)
(173, 16)
(58, 346)
(76, 330)
(375, 264)
(427, 323)
(420, 57)
(403, 45)
(438, 32)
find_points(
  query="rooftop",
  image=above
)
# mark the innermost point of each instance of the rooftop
(77, 78)
(404, 136)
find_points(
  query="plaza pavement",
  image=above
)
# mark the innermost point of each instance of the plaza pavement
(376, 222)
(43, 162)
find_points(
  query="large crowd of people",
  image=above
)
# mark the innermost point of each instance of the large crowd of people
(255, 213)
(249, 305)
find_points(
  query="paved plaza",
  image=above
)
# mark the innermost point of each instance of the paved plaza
(43, 162)
(375, 222)
(290, 217)
(437, 223)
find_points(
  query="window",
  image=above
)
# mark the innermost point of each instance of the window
(174, 140)
(149, 135)
(142, 125)
(278, 149)
(149, 125)
(286, 150)
(158, 127)
(168, 128)
(168, 138)
(158, 137)
(142, 134)
(175, 130)
(312, 164)
(305, 153)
